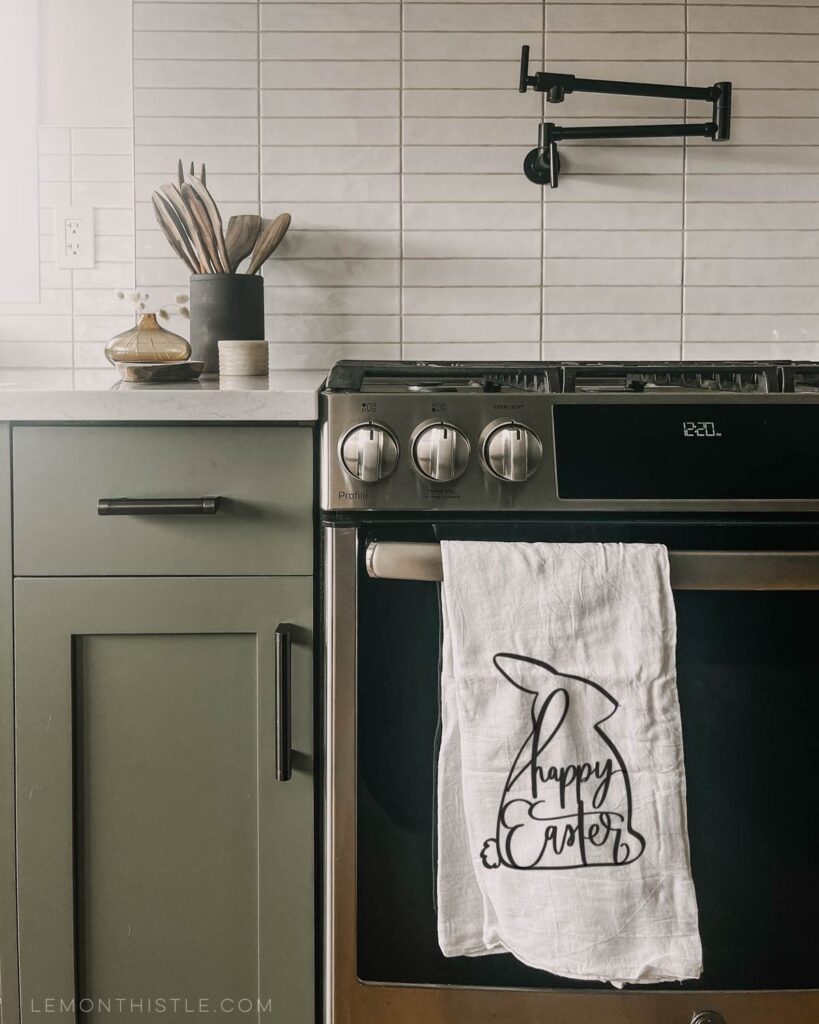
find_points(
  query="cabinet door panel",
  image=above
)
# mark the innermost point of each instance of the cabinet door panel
(146, 712)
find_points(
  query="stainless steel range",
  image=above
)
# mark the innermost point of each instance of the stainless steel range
(720, 462)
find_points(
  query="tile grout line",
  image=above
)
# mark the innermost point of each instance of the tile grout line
(684, 194)
(401, 280)
(56, 243)
(541, 338)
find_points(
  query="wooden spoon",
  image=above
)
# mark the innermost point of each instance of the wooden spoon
(273, 231)
(171, 229)
(240, 237)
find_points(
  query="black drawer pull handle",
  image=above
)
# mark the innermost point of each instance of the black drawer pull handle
(284, 768)
(157, 506)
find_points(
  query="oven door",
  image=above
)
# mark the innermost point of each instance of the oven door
(747, 601)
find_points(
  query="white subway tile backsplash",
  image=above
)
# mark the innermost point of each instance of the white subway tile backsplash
(448, 300)
(747, 299)
(471, 46)
(316, 46)
(482, 351)
(602, 299)
(332, 272)
(775, 218)
(470, 103)
(336, 103)
(508, 244)
(752, 47)
(773, 19)
(219, 159)
(471, 216)
(186, 45)
(609, 327)
(207, 131)
(474, 131)
(484, 328)
(473, 17)
(318, 300)
(751, 328)
(615, 18)
(472, 272)
(334, 188)
(762, 272)
(205, 102)
(784, 188)
(330, 131)
(333, 328)
(344, 159)
(616, 271)
(756, 74)
(34, 355)
(330, 17)
(394, 134)
(319, 356)
(191, 73)
(477, 74)
(195, 17)
(335, 74)
(490, 188)
(343, 245)
(338, 216)
(614, 45)
(744, 244)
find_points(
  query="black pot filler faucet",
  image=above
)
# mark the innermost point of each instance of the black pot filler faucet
(542, 165)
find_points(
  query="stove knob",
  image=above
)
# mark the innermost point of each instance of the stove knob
(510, 451)
(369, 452)
(440, 451)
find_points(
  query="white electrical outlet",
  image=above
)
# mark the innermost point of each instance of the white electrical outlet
(75, 236)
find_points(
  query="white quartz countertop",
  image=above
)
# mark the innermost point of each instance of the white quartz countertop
(61, 396)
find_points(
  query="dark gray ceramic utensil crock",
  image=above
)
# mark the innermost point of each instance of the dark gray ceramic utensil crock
(224, 306)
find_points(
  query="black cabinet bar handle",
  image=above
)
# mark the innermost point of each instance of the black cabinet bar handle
(157, 506)
(284, 769)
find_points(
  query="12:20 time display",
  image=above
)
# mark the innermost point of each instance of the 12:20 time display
(700, 428)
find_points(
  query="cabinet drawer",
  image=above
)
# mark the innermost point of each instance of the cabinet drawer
(262, 476)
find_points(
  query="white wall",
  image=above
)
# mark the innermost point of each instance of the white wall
(85, 65)
(85, 138)
(394, 133)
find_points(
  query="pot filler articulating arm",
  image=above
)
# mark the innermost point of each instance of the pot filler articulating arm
(542, 165)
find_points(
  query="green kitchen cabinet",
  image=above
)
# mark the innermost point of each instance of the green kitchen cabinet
(159, 860)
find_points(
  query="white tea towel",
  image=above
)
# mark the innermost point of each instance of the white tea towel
(562, 833)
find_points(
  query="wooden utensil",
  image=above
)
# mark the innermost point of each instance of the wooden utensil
(173, 196)
(203, 226)
(273, 231)
(212, 211)
(171, 230)
(240, 237)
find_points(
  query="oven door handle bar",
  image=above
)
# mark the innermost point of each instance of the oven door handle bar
(690, 570)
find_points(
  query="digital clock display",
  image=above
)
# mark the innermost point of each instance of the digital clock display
(700, 428)
(646, 450)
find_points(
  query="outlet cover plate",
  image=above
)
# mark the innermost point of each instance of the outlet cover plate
(75, 237)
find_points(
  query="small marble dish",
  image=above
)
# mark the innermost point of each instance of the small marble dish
(243, 358)
(160, 373)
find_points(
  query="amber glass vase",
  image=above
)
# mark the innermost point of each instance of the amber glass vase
(148, 342)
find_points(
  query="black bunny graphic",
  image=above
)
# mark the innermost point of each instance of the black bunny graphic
(567, 799)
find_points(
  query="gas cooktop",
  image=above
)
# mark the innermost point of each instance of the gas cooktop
(413, 436)
(569, 378)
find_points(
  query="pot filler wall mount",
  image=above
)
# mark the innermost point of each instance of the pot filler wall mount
(542, 165)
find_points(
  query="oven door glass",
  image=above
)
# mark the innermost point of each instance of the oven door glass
(748, 689)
